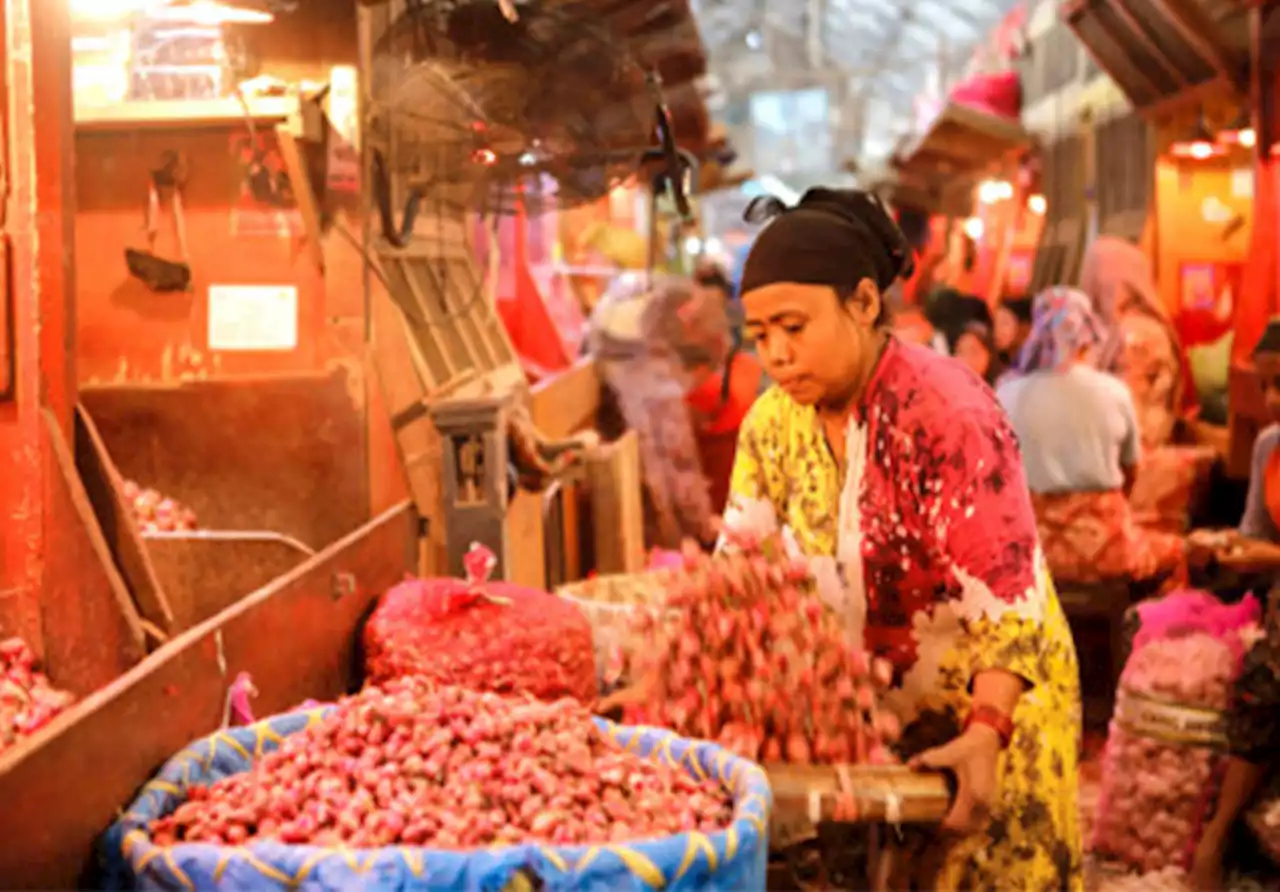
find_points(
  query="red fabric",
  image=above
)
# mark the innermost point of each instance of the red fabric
(744, 384)
(1170, 482)
(716, 452)
(1257, 301)
(1092, 537)
(943, 489)
(994, 94)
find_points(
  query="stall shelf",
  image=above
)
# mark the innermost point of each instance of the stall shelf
(273, 468)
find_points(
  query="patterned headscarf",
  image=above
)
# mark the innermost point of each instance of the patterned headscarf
(1063, 323)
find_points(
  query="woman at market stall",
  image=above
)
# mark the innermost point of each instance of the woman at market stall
(1079, 437)
(1255, 545)
(1253, 738)
(899, 480)
(1141, 346)
(976, 349)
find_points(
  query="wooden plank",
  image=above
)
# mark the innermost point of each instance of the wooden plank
(181, 113)
(92, 631)
(571, 530)
(296, 637)
(616, 507)
(102, 482)
(207, 571)
(295, 165)
(525, 538)
(417, 442)
(567, 404)
(6, 324)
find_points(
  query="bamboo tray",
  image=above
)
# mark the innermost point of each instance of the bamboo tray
(804, 796)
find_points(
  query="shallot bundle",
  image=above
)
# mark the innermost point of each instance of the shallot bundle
(156, 513)
(1163, 758)
(28, 701)
(489, 636)
(444, 767)
(743, 652)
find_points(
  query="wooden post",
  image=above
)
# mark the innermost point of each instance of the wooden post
(37, 249)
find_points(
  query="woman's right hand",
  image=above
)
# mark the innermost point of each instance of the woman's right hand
(1206, 866)
(1204, 547)
(1247, 555)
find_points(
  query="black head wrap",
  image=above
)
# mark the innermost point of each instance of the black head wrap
(1270, 340)
(835, 237)
(1020, 307)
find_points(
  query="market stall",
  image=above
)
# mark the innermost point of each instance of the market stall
(974, 138)
(1172, 97)
(1260, 289)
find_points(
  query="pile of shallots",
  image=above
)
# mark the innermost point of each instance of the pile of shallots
(1158, 787)
(744, 652)
(443, 767)
(488, 636)
(156, 513)
(28, 701)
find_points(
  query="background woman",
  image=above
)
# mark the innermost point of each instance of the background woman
(1012, 327)
(976, 349)
(1255, 546)
(1080, 442)
(1253, 736)
(900, 481)
(1142, 346)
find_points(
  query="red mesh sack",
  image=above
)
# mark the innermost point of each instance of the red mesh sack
(488, 636)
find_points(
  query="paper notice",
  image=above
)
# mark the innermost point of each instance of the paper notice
(253, 317)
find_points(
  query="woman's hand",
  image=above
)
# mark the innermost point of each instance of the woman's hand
(1206, 546)
(972, 757)
(1206, 866)
(1250, 555)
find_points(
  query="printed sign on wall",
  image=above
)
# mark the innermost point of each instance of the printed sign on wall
(253, 317)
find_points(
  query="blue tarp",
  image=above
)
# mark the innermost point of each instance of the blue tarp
(732, 860)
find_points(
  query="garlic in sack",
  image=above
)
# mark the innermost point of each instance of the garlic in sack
(1163, 758)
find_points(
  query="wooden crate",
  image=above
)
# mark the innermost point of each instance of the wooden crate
(297, 637)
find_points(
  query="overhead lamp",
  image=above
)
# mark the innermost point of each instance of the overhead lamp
(1239, 132)
(110, 10)
(974, 228)
(994, 191)
(1037, 204)
(1197, 144)
(210, 13)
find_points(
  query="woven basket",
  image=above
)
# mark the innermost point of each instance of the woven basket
(610, 604)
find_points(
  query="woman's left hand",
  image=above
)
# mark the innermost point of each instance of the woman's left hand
(972, 757)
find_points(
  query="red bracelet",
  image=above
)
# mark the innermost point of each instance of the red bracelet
(993, 718)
